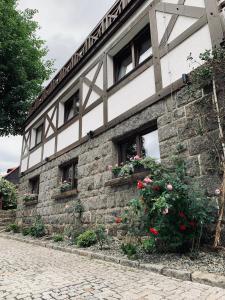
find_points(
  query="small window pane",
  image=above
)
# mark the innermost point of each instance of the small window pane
(68, 113)
(150, 145)
(123, 64)
(70, 174)
(77, 104)
(34, 183)
(143, 45)
(128, 150)
(39, 132)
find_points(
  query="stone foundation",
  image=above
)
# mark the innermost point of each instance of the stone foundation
(178, 122)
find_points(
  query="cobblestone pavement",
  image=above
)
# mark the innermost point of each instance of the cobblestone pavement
(32, 272)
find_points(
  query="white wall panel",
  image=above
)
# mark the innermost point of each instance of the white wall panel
(91, 74)
(162, 22)
(49, 148)
(199, 3)
(23, 166)
(99, 80)
(137, 90)
(170, 1)
(50, 132)
(196, 44)
(181, 25)
(93, 97)
(85, 91)
(68, 136)
(35, 157)
(92, 120)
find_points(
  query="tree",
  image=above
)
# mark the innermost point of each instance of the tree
(22, 66)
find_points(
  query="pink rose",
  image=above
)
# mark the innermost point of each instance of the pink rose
(165, 211)
(217, 192)
(137, 157)
(148, 180)
(110, 168)
(169, 187)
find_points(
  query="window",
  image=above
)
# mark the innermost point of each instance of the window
(69, 173)
(143, 144)
(71, 107)
(34, 185)
(39, 134)
(133, 54)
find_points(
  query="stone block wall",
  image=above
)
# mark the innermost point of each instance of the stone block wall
(178, 119)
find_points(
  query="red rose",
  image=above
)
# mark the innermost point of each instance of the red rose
(192, 223)
(140, 185)
(118, 220)
(156, 188)
(182, 227)
(154, 231)
(182, 215)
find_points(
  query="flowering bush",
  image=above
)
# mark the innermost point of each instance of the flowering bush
(29, 197)
(65, 186)
(171, 211)
(8, 193)
(129, 168)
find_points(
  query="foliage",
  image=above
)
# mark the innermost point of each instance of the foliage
(9, 193)
(130, 250)
(29, 197)
(38, 228)
(101, 235)
(170, 210)
(14, 228)
(58, 238)
(22, 66)
(87, 239)
(78, 208)
(25, 231)
(128, 168)
(65, 186)
(149, 245)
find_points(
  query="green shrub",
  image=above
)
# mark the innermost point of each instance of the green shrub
(38, 228)
(25, 231)
(86, 239)
(130, 250)
(101, 235)
(58, 238)
(9, 193)
(149, 245)
(14, 228)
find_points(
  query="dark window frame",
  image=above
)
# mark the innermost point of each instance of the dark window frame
(64, 167)
(131, 47)
(75, 98)
(122, 143)
(34, 183)
(36, 134)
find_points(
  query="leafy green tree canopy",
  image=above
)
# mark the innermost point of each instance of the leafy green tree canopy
(23, 67)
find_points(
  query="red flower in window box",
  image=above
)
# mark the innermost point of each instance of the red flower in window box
(154, 231)
(118, 220)
(193, 223)
(182, 215)
(182, 227)
(140, 185)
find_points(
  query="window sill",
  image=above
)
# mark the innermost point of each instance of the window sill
(65, 195)
(127, 180)
(31, 202)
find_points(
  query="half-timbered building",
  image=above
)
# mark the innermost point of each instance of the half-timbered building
(119, 95)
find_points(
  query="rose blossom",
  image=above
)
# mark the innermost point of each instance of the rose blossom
(169, 187)
(148, 180)
(118, 220)
(217, 192)
(182, 214)
(154, 231)
(140, 185)
(110, 167)
(182, 227)
(137, 157)
(165, 211)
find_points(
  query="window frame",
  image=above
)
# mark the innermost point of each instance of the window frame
(71, 163)
(32, 181)
(132, 45)
(121, 144)
(75, 98)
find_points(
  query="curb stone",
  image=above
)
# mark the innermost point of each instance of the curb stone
(211, 279)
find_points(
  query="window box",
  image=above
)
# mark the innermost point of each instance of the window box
(65, 195)
(119, 181)
(30, 199)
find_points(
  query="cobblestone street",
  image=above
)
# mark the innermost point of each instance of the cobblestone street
(32, 272)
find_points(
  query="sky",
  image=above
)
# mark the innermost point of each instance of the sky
(64, 26)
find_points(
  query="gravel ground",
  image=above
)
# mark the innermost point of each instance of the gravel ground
(205, 261)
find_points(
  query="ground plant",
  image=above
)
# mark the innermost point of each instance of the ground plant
(101, 235)
(38, 228)
(58, 238)
(8, 193)
(13, 227)
(86, 239)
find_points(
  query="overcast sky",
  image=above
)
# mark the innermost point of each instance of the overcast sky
(64, 26)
